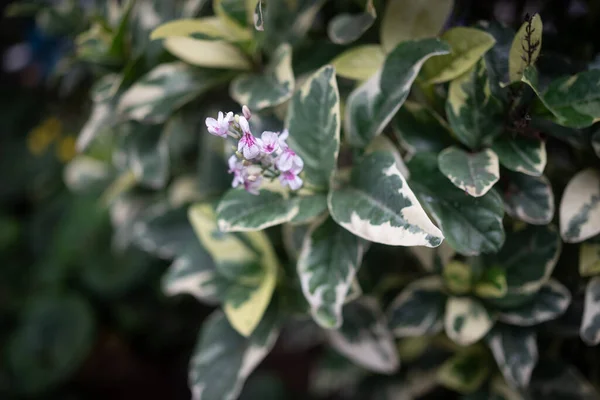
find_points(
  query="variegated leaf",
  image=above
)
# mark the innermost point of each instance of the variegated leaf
(405, 20)
(102, 118)
(471, 225)
(234, 13)
(378, 205)
(206, 28)
(419, 128)
(419, 309)
(527, 39)
(259, 18)
(247, 259)
(458, 277)
(466, 320)
(372, 105)
(223, 359)
(496, 59)
(271, 88)
(360, 62)
(590, 323)
(85, 173)
(346, 28)
(521, 154)
(476, 117)
(240, 211)
(580, 207)
(475, 173)
(528, 198)
(468, 46)
(549, 303)
(589, 259)
(327, 265)
(365, 338)
(310, 207)
(313, 121)
(207, 53)
(466, 371)
(155, 96)
(528, 257)
(516, 353)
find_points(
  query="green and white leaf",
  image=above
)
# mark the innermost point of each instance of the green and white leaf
(346, 28)
(466, 320)
(549, 303)
(327, 265)
(271, 88)
(468, 45)
(471, 225)
(207, 53)
(310, 207)
(372, 105)
(420, 129)
(85, 173)
(419, 309)
(529, 198)
(466, 371)
(590, 323)
(240, 211)
(521, 154)
(223, 359)
(515, 351)
(476, 117)
(205, 28)
(360, 62)
(378, 205)
(589, 259)
(580, 207)
(405, 20)
(313, 120)
(259, 18)
(365, 338)
(156, 95)
(475, 173)
(102, 117)
(516, 63)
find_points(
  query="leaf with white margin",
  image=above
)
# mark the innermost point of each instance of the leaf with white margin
(468, 45)
(207, 53)
(521, 154)
(408, 20)
(475, 173)
(310, 207)
(520, 45)
(372, 105)
(471, 225)
(206, 28)
(515, 351)
(465, 371)
(360, 62)
(365, 338)
(528, 198)
(590, 323)
(549, 303)
(383, 143)
(240, 211)
(166, 88)
(223, 359)
(528, 257)
(270, 88)
(466, 320)
(580, 207)
(419, 128)
(589, 259)
(194, 272)
(326, 266)
(313, 120)
(419, 309)
(346, 28)
(101, 118)
(476, 117)
(248, 259)
(259, 19)
(378, 205)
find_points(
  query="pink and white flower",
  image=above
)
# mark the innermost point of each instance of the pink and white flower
(244, 125)
(270, 142)
(249, 146)
(289, 160)
(290, 178)
(282, 139)
(236, 167)
(219, 127)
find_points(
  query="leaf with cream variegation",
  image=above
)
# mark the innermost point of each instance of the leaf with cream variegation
(475, 173)
(590, 324)
(580, 207)
(528, 198)
(521, 154)
(466, 320)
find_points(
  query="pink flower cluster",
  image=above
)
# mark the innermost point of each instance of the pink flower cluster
(257, 158)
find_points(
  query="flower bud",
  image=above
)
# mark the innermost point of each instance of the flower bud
(246, 112)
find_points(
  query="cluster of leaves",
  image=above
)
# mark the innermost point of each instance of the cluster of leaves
(426, 228)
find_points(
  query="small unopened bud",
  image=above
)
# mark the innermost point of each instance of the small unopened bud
(246, 112)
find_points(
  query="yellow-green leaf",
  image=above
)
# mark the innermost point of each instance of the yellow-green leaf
(589, 259)
(206, 53)
(359, 62)
(457, 277)
(207, 28)
(409, 19)
(468, 46)
(227, 11)
(525, 48)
